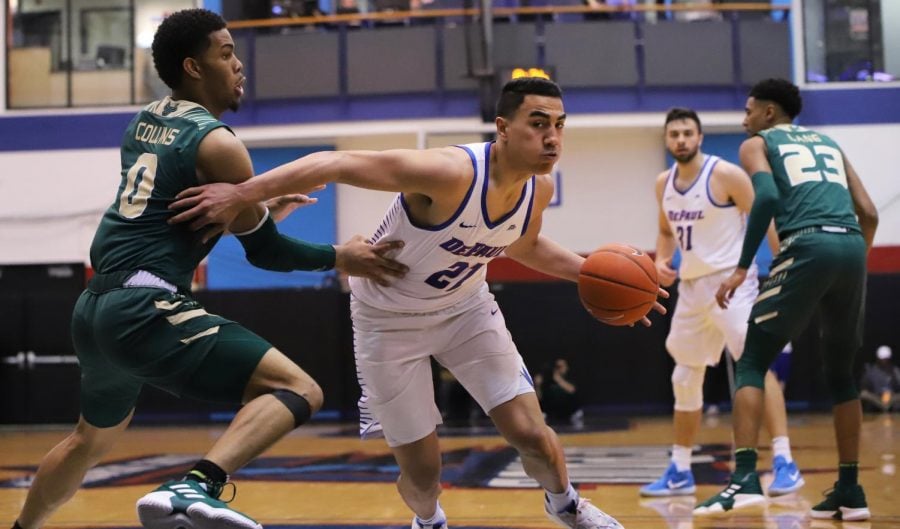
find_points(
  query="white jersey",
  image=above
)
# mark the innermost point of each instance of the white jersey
(447, 263)
(710, 235)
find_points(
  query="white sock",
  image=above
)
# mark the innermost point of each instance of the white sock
(681, 456)
(781, 446)
(559, 502)
(438, 516)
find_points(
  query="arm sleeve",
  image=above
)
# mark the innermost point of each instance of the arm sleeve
(765, 203)
(268, 249)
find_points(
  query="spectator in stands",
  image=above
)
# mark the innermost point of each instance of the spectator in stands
(880, 384)
(559, 396)
(598, 15)
(347, 7)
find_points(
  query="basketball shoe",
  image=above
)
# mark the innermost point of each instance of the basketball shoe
(581, 514)
(741, 493)
(418, 524)
(186, 504)
(787, 477)
(671, 483)
(843, 502)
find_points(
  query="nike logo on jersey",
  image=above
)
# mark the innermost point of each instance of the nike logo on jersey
(464, 225)
(494, 311)
(511, 227)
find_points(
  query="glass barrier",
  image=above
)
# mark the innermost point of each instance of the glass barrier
(851, 40)
(66, 53)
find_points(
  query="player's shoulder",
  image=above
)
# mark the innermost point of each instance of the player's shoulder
(724, 167)
(662, 177)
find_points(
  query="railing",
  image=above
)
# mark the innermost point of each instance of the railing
(33, 83)
(400, 16)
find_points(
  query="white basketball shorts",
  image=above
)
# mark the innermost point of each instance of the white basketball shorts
(393, 364)
(701, 329)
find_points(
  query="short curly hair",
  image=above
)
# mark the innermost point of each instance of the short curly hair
(181, 35)
(781, 92)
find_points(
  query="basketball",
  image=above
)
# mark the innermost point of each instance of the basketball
(617, 284)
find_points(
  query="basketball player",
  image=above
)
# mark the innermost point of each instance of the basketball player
(137, 324)
(457, 208)
(826, 223)
(703, 203)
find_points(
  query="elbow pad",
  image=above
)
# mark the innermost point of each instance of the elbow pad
(268, 249)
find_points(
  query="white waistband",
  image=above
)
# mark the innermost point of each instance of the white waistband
(142, 278)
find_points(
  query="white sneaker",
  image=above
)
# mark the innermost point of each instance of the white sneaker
(417, 524)
(582, 515)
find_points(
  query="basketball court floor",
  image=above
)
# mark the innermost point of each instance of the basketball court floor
(324, 477)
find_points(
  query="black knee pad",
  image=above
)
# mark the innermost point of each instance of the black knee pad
(296, 404)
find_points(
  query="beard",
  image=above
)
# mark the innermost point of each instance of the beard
(685, 158)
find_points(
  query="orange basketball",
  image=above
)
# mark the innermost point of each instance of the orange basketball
(617, 284)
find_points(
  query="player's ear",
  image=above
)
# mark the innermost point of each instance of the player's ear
(502, 126)
(191, 67)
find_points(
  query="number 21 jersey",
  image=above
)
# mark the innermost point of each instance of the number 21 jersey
(447, 263)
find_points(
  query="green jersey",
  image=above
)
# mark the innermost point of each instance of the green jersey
(158, 153)
(812, 184)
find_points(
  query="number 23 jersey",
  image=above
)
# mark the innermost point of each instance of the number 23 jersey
(810, 175)
(447, 263)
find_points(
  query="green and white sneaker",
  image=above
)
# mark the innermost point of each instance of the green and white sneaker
(843, 502)
(185, 504)
(739, 494)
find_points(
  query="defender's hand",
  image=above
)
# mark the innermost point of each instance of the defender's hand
(358, 257)
(727, 288)
(212, 206)
(281, 207)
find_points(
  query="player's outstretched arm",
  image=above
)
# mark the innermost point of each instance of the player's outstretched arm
(428, 172)
(538, 252)
(223, 160)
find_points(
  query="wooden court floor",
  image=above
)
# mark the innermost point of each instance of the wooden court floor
(323, 477)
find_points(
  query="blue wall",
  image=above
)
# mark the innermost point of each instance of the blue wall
(228, 268)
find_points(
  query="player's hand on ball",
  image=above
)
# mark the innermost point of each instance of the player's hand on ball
(657, 306)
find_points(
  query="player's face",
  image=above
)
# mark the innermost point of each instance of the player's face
(535, 133)
(756, 116)
(683, 139)
(223, 72)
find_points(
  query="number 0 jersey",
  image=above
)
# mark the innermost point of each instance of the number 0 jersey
(446, 262)
(710, 235)
(812, 183)
(158, 154)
